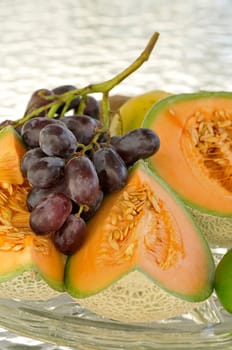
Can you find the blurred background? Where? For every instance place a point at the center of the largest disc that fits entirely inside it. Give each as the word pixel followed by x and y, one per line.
pixel 48 42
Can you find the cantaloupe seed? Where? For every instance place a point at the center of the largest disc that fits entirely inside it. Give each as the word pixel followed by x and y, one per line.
pixel 210 133
pixel 20 277
pixel 131 299
pixel 124 219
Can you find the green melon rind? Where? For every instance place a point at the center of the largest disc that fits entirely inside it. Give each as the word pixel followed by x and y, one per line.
pixel 202 295
pixel 217 229
pixel 211 265
pixel 135 298
pixel 194 298
pixel 158 106
pixel 28 282
pixel 216 226
pixel 27 286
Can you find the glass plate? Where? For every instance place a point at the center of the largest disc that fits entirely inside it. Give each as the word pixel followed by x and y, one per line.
pixel 85 41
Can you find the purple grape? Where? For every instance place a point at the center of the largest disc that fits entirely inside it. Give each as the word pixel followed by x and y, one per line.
pixel 93 208
pixel 47 172
pixel 50 213
pixel 37 100
pixel 81 180
pixel 83 127
pixel 59 90
pixel 92 107
pixel 31 157
pixel 31 130
pixel 57 140
pixel 111 169
pixel 37 193
pixel 69 238
pixel 137 144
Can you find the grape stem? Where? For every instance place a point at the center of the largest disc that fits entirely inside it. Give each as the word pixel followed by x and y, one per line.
pixel 103 87
pixel 82 208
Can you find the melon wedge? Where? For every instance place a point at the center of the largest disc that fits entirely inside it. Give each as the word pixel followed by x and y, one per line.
pixel 195 157
pixel 34 273
pixel 11 151
pixel 144 258
pixel 31 267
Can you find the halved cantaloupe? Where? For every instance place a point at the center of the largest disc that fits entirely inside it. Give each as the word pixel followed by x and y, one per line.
pixel 144 258
pixel 11 151
pixel 195 156
pixel 31 267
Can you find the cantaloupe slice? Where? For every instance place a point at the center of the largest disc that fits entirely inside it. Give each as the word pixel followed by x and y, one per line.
pixel 11 151
pixel 144 258
pixel 31 267
pixel 33 273
pixel 195 156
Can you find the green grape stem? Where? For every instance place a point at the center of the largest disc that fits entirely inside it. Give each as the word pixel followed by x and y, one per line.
pixel 82 208
pixel 103 87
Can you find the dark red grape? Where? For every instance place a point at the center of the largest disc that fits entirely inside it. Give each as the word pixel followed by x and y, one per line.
pixel 37 100
pixel 57 140
pixel 50 213
pixel 92 107
pixel 69 238
pixel 137 144
pixel 81 180
pixel 59 90
pixel 94 206
pixel 111 169
pixel 83 127
pixel 37 193
pixel 30 158
pixel 47 172
pixel 31 130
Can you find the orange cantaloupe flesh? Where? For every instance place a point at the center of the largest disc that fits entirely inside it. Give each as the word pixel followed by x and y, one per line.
pixel 50 264
pixel 175 162
pixel 41 256
pixel 21 250
pixel 12 150
pixel 173 254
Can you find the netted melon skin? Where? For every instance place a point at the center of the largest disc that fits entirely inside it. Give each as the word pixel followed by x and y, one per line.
pixel 216 229
pixel 27 286
pixel 135 298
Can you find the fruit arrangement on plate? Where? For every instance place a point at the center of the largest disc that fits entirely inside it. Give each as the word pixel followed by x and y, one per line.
pixel 119 201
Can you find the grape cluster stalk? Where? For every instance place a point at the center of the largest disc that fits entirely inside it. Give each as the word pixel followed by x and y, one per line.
pixel 72 161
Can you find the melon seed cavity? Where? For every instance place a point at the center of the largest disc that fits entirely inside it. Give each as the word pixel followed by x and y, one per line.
pixel 211 137
pixel 161 240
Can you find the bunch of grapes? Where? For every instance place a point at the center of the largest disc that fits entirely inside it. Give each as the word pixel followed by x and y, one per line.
pixel 71 163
